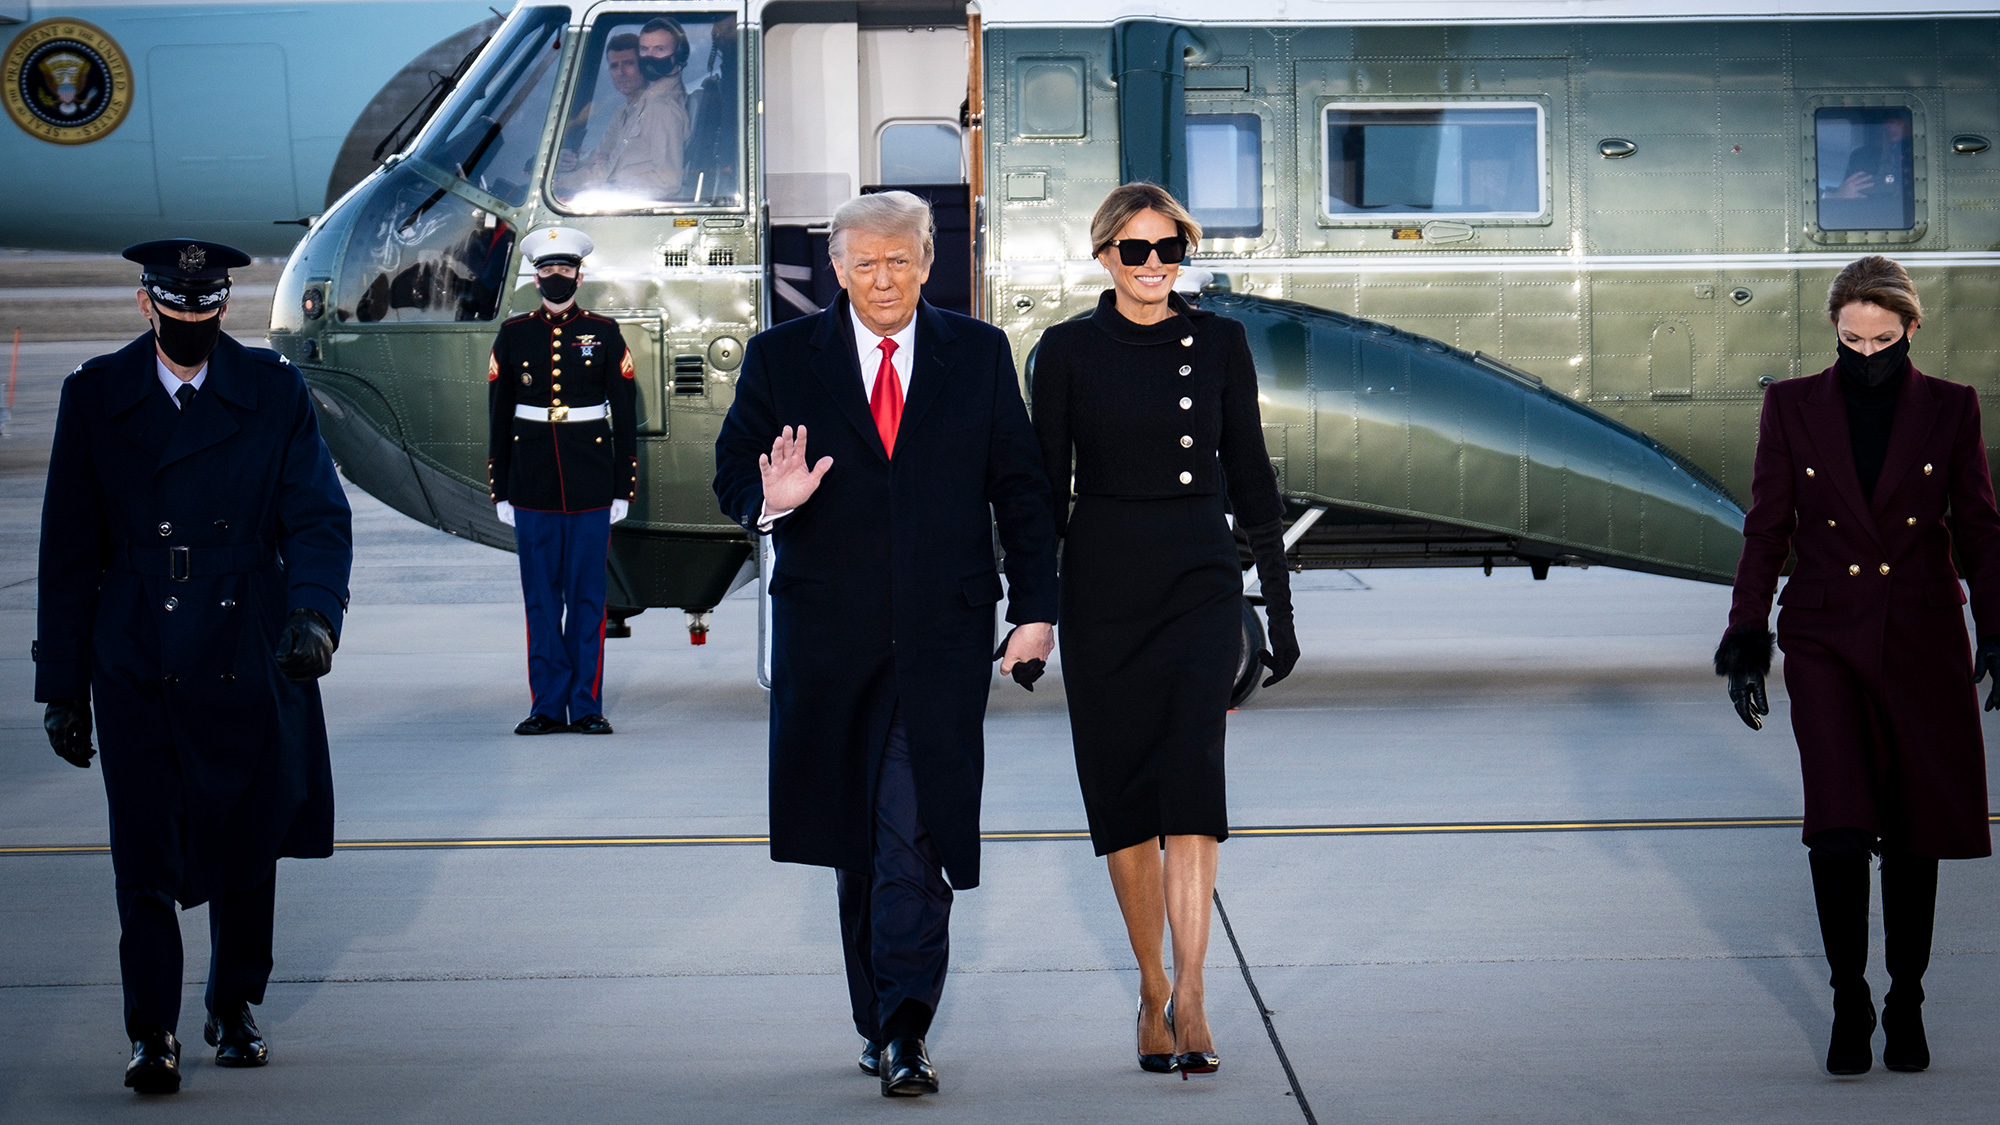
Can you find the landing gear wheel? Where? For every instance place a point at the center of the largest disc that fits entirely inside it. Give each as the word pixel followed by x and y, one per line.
pixel 1249 671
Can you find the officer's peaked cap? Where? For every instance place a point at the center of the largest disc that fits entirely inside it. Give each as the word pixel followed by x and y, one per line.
pixel 186 273
pixel 559 244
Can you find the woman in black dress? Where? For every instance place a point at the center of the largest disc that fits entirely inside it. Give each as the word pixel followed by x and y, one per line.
pixel 1158 402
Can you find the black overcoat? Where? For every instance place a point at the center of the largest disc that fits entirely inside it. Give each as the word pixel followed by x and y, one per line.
pixel 1873 620
pixel 174 545
pixel 885 583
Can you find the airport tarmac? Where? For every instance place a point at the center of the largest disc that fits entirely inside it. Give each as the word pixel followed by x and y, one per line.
pixel 1503 854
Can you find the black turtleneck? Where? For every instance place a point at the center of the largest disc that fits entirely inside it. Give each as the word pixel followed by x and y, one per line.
pixel 1871 413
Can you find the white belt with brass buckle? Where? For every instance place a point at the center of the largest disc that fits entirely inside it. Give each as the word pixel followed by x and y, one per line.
pixel 561 413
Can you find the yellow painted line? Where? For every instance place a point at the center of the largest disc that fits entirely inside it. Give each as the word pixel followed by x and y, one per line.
pixel 1278 832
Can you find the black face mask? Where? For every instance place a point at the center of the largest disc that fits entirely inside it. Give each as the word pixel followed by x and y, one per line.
pixel 655 68
pixel 1874 370
pixel 556 288
pixel 187 342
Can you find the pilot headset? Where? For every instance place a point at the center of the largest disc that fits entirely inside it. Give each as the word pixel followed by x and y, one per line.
pixel 653 67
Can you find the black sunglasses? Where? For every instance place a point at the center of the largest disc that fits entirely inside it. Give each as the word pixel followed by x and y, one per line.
pixel 1135 251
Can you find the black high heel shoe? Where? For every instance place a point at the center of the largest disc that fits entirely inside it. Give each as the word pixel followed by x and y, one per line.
pixel 1192 1062
pixel 1155 1064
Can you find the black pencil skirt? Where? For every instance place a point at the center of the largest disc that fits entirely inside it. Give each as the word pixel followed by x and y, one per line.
pixel 1151 625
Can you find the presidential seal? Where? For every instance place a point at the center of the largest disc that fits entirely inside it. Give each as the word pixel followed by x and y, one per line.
pixel 66 82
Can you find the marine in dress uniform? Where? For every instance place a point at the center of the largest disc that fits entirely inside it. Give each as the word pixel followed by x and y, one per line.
pixel 563 466
pixel 195 553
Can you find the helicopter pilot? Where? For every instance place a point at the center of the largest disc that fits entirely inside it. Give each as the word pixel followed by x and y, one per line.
pixel 562 466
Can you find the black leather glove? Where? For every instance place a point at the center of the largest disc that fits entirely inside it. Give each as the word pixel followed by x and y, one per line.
pixel 1267 546
pixel 68 724
pixel 305 647
pixel 1988 657
pixel 1025 672
pixel 1745 657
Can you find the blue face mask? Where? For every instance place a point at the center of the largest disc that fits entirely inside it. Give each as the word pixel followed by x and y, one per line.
pixel 1874 370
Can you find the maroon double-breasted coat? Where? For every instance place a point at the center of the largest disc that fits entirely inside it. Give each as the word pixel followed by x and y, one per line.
pixel 1872 626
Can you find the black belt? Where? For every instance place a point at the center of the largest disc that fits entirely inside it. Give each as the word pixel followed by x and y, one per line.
pixel 183 563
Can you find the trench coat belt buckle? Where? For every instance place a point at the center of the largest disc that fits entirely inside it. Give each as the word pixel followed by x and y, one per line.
pixel 180 564
pixel 562 413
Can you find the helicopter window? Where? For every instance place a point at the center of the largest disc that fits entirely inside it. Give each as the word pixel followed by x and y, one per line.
pixel 495 124
pixel 653 116
pixel 1477 160
pixel 1866 160
pixel 1226 173
pixel 420 253
pixel 921 152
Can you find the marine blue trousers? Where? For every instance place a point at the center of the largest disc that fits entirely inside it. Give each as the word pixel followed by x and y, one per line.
pixel 895 920
pixel 562 589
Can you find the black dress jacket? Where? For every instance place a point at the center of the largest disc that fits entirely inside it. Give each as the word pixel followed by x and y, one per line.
pixel 174 546
pixel 574 359
pixel 1171 406
pixel 885 583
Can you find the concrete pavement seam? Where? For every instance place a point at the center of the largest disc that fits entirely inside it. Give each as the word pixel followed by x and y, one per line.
pixel 1257 998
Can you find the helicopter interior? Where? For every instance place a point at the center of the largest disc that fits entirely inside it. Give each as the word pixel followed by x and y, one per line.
pixel 871 101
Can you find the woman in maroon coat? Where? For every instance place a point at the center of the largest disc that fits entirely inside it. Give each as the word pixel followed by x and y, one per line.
pixel 1874 473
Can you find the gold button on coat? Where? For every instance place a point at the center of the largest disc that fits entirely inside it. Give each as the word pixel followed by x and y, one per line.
pixel 1884 568
pixel 1187 404
pixel 1187 341
pixel 1187 442
pixel 1187 478
pixel 1912 521
pixel 556 387
pixel 1809 471
pixel 1853 569
pixel 1927 470
pixel 557 373
pixel 1830 523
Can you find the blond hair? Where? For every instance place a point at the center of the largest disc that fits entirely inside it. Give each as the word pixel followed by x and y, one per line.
pixel 1129 200
pixel 888 214
pixel 1875 280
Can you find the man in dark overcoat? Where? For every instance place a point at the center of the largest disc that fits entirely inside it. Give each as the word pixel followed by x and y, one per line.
pixel 194 561
pixel 883 599
pixel 1875 475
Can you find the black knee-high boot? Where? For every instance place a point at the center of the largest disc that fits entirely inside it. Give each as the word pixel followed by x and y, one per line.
pixel 1840 890
pixel 1909 907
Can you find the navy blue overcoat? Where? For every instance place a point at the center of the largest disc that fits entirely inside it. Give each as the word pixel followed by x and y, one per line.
pixel 174 546
pixel 886 581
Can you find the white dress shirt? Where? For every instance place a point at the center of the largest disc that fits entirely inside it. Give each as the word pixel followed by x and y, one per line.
pixel 868 350
pixel 173 382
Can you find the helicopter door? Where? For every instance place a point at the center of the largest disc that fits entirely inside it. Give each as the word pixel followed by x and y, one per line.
pixel 853 108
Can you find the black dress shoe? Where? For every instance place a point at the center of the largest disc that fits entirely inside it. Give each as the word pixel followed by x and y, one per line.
pixel 235 1037
pixel 1849 1050
pixel 591 724
pixel 1904 1047
pixel 906 1069
pixel 871 1058
pixel 156 1064
pixel 539 723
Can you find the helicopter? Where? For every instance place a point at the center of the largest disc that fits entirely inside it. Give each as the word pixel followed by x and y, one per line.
pixel 1515 275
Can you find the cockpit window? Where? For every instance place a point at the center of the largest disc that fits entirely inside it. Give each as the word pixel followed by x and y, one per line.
pixel 1432 161
pixel 421 253
pixel 1867 175
pixel 494 124
pixel 653 118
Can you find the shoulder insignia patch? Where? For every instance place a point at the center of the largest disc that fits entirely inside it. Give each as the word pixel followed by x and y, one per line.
pixel 492 366
pixel 625 367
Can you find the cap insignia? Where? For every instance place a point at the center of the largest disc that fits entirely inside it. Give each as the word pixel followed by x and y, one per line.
pixel 194 258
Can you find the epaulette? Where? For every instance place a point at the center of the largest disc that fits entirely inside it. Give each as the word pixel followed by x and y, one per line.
pixel 271 356
pixel 95 361
pixel 517 319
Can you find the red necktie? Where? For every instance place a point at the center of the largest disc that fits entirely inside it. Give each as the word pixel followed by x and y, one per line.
pixel 886 403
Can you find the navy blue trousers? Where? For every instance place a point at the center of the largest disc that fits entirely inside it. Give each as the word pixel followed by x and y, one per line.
pixel 894 920
pixel 562 588
pixel 149 953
